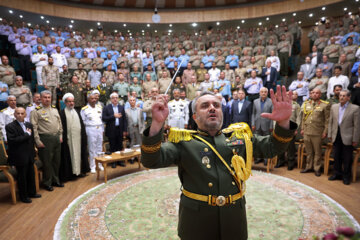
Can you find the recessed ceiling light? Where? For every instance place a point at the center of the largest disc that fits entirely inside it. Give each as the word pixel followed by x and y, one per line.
pixel 142 31
pixel 42 17
pixel 170 25
pixel 311 15
pixel 98 23
pixel 294 14
pixel 283 19
pixel 218 23
pixel 11 11
pixel 72 21
pixel 169 34
pixel 356 0
pixel 0 19
pixel 155 31
pixel 170 31
pixel 130 34
pixel 47 21
pixel 238 27
pixel 91 30
pixel 323 8
pixel 148 25
pixel 128 31
pixel 115 31
pixel 299 22
pixel 124 25
pixel 29 24
pixel 70 26
pixel 323 19
pixel 260 23
pixel 345 8
pixel 316 23
pixel 196 34
pixel 276 26
pixel 21 16
pixel 194 24
pixel 350 13
pixel 73 32
pixel 267 19
pixel 242 21
pixel 52 28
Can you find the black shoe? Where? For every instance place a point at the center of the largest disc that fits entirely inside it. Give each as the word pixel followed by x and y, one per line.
pixel 122 164
pixel 81 175
pixel 291 167
pixel 335 177
pixel 58 185
pixel 279 165
pixel 306 171
pixel 35 196
pixel 258 161
pixel 26 200
pixel 317 173
pixel 265 162
pixel 346 181
pixel 49 188
pixel 113 165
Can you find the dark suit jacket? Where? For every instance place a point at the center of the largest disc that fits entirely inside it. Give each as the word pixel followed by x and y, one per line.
pixel 109 119
pixel 319 57
pixel 21 145
pixel 244 115
pixel 273 76
pixel 355 92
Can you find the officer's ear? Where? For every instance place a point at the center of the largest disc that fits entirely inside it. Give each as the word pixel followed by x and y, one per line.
pixel 194 116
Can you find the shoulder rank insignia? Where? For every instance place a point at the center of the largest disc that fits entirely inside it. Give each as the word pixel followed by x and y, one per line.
pixel 38 107
pixel 177 135
pixel 3 110
pixel 30 105
pixel 239 130
pixel 83 108
pixel 53 106
pixel 323 101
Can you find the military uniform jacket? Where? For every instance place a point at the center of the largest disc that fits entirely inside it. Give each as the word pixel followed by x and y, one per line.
pixel 82 75
pixel 315 117
pixel 201 171
pixel 77 91
pixel 7 78
pixel 65 78
pixel 50 75
pixel 105 92
pixel 21 98
pixel 73 63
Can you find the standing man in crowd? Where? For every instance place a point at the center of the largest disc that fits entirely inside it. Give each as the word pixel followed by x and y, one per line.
pixel 40 59
pixel 24 52
pixel 269 76
pixel 354 87
pixel 314 127
pixel 253 86
pixel 344 134
pixel 135 122
pixel 260 125
pixel 7 114
pixel 301 87
pixel 241 109
pixel 48 138
pixel 35 102
pixel 178 111
pixel 114 117
pixel 51 78
pixel 74 156
pixel 7 72
pixel 21 151
pixel 91 115
pixel 21 92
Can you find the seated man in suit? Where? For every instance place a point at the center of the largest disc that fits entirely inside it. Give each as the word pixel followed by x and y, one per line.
pixel 241 109
pixel 308 69
pixel 344 133
pixel 260 125
pixel 269 76
pixel 21 152
pixel 114 117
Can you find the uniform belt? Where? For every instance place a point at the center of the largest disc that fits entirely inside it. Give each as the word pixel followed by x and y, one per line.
pixel 212 199
pixel 94 126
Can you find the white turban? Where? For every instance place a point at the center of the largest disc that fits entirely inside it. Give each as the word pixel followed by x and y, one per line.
pixel 67 95
pixel 95 92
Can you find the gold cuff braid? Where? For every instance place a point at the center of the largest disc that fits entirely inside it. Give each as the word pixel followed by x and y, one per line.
pixel 151 148
pixel 282 139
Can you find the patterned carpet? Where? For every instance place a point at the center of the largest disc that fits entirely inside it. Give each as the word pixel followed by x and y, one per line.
pixel 144 205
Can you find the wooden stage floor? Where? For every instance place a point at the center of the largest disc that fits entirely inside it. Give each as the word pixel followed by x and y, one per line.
pixel 37 220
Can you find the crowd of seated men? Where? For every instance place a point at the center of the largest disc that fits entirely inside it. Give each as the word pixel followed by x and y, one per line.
pixel 240 65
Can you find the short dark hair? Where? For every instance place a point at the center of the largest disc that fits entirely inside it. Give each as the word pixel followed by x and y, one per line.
pixel 338 67
pixel 193 104
pixel 338 85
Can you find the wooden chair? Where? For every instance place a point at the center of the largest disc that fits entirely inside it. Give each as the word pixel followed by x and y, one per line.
pixel 300 147
pixel 271 162
pixel 7 171
pixel 303 154
pixel 328 158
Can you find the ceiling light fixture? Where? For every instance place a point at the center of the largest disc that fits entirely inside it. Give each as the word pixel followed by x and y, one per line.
pixel 267 19
pixel 21 16
pixel 316 23
pixel 284 19
pixel 148 25
pixel 115 31
pixel 11 11
pixel 42 17
pixel 29 24
pixel 52 28
pixel 91 30
pixel 142 31
pixel 299 22
pixel 124 25
pixel 170 31
pixel 218 23
pixel 350 13
pixel 170 25
pixel 323 8
pixel 345 8
pixel 70 26
pixel 276 26
pixel 98 23
pixel 72 21
pixel 155 31
pixel 294 14
pixel 242 21
pixel 311 15
pixel 194 24
pixel 238 27
pixel 260 23
pixel 47 21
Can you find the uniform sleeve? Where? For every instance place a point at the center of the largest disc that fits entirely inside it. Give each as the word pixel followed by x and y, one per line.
pixel 327 114
pixel 34 122
pixel 43 75
pixel 155 154
pixel 274 144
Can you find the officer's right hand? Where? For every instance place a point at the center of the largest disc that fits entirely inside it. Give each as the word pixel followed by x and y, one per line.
pixel 41 145
pixel 160 112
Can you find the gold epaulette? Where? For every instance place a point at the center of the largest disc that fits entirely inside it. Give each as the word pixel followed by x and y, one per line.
pixel 83 108
pixel 3 109
pixel 53 106
pixel 177 134
pixel 323 101
pixel 38 107
pixel 238 130
pixel 30 105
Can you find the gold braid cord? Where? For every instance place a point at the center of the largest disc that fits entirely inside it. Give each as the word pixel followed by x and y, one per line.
pixel 151 148
pixel 282 139
pixel 307 113
pixel 177 135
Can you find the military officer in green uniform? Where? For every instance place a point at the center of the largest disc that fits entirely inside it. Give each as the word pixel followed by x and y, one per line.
pixel 48 138
pixel 212 204
pixel 76 88
pixel 65 79
pixel 314 126
pixel 122 89
pixel 105 90
pixel 136 87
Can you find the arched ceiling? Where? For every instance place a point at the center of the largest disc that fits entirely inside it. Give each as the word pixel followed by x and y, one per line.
pixel 165 4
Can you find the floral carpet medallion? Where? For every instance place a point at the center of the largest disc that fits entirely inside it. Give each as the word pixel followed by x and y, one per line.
pixel 144 205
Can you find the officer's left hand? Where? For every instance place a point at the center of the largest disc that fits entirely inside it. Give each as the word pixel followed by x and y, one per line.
pixel 323 136
pixel 282 107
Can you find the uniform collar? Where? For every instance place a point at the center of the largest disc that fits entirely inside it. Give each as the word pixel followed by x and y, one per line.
pixel 206 134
